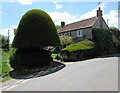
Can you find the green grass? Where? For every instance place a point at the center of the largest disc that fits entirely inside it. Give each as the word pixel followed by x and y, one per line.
pixel 86 44
pixel 4 65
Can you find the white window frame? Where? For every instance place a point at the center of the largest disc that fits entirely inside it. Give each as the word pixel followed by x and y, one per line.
pixel 79 33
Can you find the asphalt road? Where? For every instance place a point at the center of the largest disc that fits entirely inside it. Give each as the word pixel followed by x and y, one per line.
pixel 100 74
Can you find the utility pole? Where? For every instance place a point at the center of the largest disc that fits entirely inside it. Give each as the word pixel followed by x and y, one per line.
pixel 8 42
pixel 8 34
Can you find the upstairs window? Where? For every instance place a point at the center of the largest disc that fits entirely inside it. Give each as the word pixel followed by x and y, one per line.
pixel 79 33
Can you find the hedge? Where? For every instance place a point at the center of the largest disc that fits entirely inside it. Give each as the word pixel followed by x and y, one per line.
pixel 86 44
pixel 36 29
pixel 78 51
pixel 35 32
pixel 30 58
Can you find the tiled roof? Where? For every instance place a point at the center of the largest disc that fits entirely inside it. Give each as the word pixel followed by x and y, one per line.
pixel 79 25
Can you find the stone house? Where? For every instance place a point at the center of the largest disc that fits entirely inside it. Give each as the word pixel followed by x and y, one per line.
pixel 82 30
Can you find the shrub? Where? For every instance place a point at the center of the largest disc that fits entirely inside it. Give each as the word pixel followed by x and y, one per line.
pixel 30 58
pixel 80 46
pixel 65 40
pixel 79 51
pixel 35 32
pixel 36 29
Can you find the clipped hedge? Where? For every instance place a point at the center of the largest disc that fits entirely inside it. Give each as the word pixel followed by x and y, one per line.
pixel 103 41
pixel 36 29
pixel 35 32
pixel 86 44
pixel 30 58
pixel 78 51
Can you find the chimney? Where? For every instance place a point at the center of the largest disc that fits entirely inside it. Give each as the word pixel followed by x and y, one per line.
pixel 62 24
pixel 99 15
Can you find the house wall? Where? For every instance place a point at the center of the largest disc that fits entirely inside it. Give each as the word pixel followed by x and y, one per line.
pixel 86 34
pixel 97 24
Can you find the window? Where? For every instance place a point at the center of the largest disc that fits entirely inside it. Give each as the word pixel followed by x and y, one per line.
pixel 69 33
pixel 79 33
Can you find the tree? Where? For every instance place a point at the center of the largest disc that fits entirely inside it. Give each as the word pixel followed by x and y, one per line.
pixel 65 40
pixel 35 32
pixel 115 31
pixel 4 42
pixel 103 40
pixel 57 27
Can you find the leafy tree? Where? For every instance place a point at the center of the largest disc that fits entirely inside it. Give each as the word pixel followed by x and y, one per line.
pixel 65 40
pixel 57 27
pixel 35 32
pixel 103 40
pixel 115 31
pixel 4 42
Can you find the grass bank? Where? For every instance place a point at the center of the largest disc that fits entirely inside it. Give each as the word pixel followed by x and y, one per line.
pixel 4 66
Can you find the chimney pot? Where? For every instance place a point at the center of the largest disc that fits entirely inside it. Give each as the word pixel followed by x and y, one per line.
pixel 62 24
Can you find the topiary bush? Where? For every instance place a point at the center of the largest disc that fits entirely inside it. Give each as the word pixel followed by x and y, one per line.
pixel 78 51
pixel 35 29
pixel 35 32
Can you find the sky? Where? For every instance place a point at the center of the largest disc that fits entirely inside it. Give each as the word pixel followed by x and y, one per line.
pixel 11 11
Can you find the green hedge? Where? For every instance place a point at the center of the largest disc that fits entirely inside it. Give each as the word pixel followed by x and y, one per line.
pixel 35 32
pixel 78 51
pixel 103 41
pixel 30 58
pixel 86 44
pixel 36 29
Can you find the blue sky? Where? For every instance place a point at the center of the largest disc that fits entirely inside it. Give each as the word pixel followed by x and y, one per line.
pixel 59 11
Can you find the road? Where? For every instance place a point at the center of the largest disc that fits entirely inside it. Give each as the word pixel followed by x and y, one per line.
pixel 99 74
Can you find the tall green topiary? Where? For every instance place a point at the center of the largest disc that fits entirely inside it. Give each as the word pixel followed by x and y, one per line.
pixel 35 31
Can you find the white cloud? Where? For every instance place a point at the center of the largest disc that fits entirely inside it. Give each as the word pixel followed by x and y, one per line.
pixel 112 17
pixel 4 32
pixel 58 6
pixel 25 2
pixel 92 13
pixel 62 16
pixel 68 18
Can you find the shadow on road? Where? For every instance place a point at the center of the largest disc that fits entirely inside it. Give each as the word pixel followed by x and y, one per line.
pixel 37 72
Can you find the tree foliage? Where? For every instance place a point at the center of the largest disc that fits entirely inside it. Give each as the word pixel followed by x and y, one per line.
pixel 65 40
pixel 57 27
pixel 4 42
pixel 36 29
pixel 115 31
pixel 103 40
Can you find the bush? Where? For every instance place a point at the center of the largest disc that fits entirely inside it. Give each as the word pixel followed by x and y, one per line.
pixel 30 58
pixel 103 41
pixel 65 40
pixel 4 42
pixel 36 29
pixel 35 32
pixel 79 51
pixel 80 46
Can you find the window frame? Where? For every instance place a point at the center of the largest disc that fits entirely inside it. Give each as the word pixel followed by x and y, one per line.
pixel 79 33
